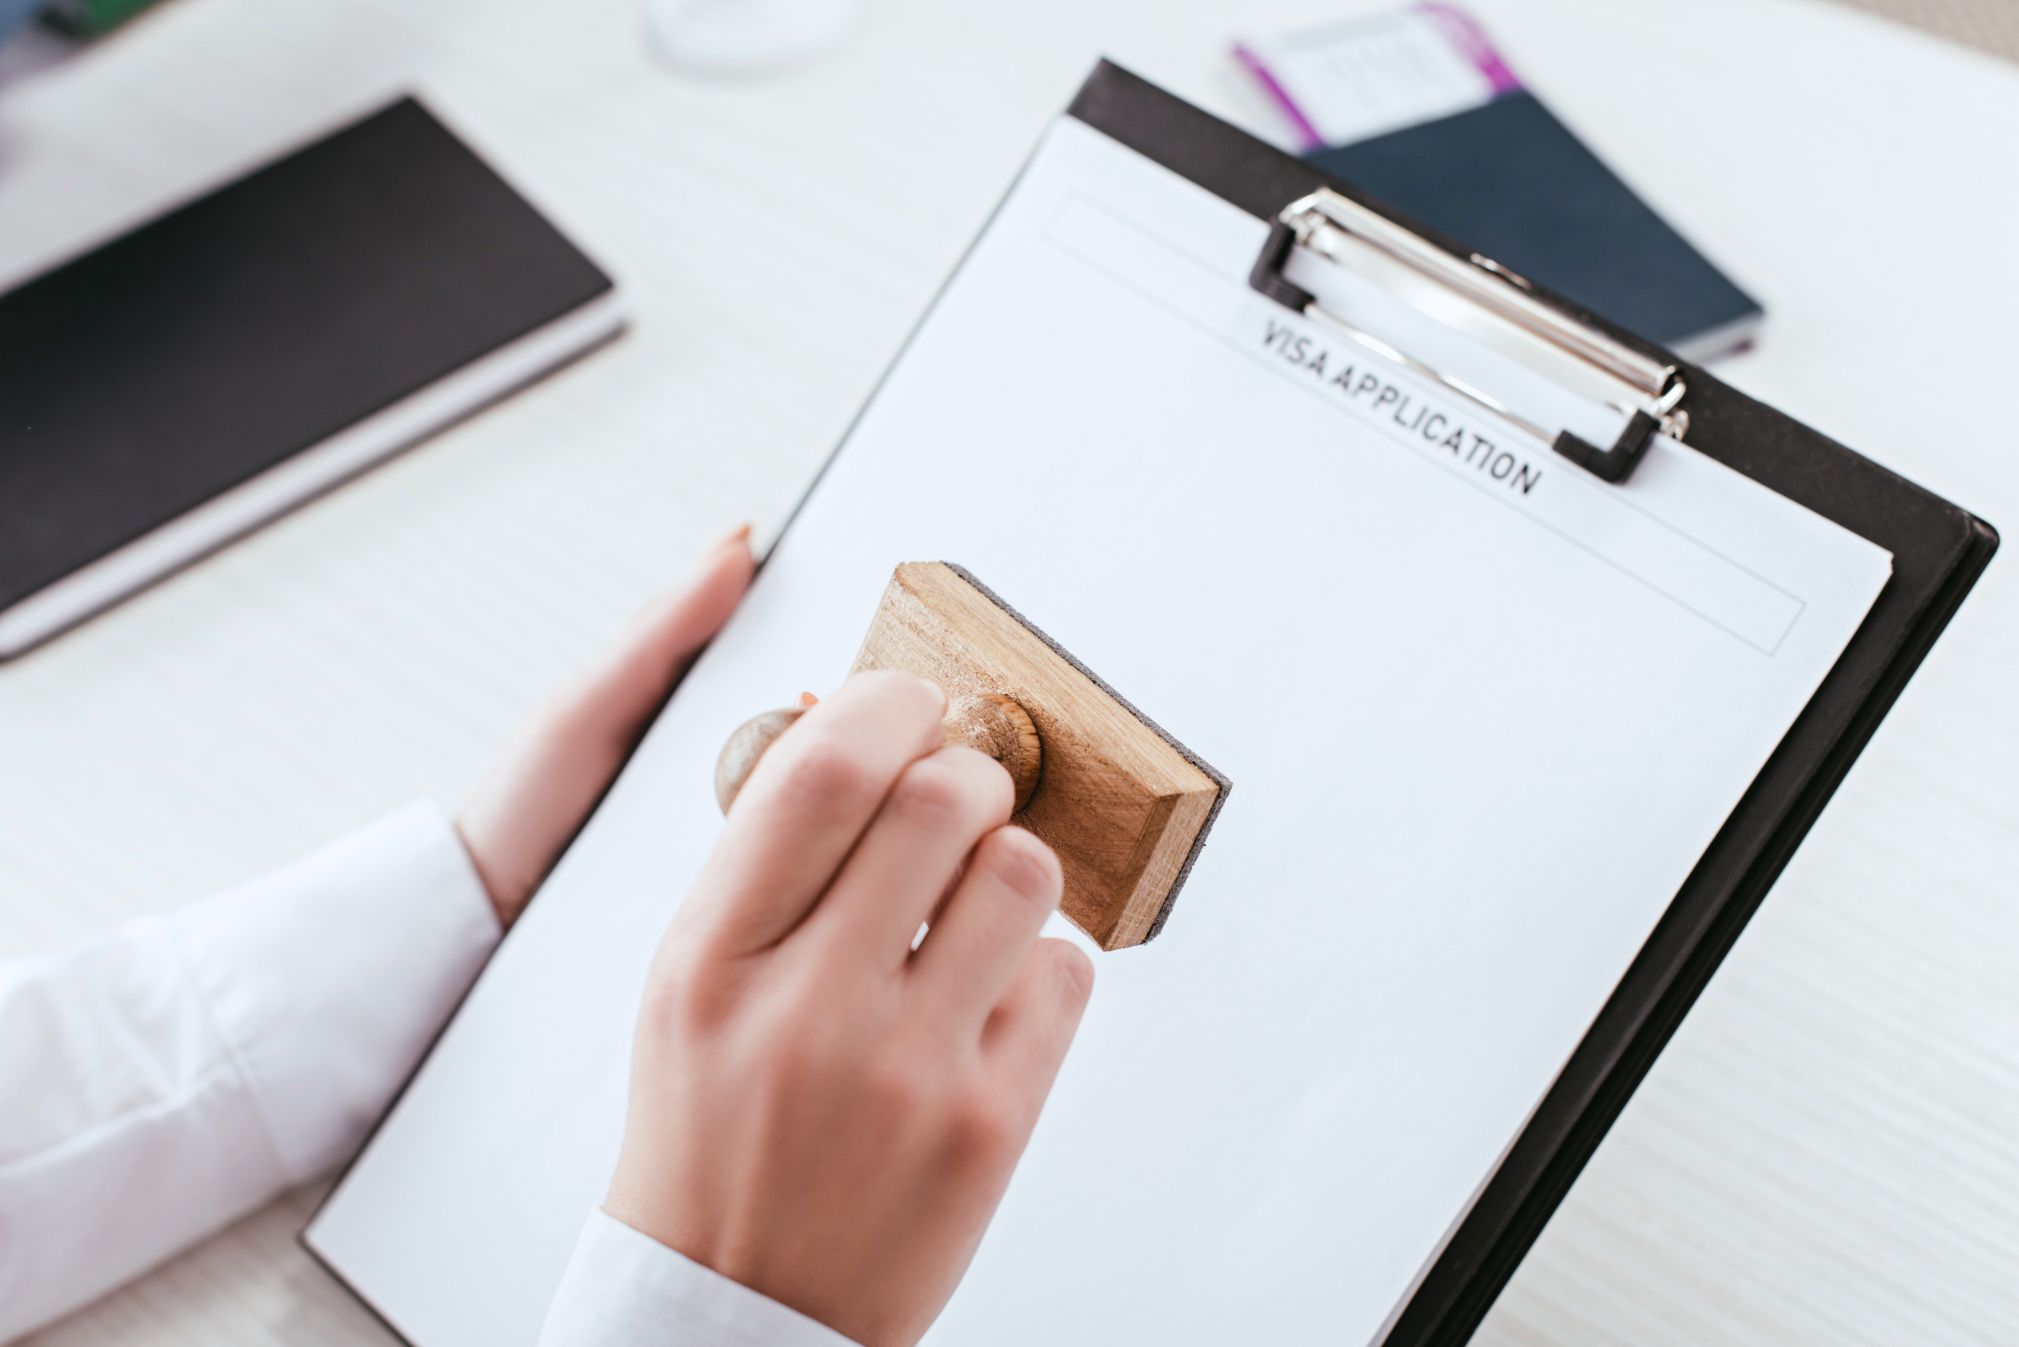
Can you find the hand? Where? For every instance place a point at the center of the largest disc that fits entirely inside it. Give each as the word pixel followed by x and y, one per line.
pixel 526 813
pixel 818 1110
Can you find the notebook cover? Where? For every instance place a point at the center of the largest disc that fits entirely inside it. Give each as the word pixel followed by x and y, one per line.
pixel 190 355
pixel 1938 549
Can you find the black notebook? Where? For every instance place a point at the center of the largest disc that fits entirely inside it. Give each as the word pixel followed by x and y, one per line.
pixel 183 384
pixel 1530 651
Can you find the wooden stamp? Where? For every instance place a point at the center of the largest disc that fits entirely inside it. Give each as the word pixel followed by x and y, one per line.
pixel 1125 806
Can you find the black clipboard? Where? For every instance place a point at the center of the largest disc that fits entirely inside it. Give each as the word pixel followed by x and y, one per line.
pixel 1938 550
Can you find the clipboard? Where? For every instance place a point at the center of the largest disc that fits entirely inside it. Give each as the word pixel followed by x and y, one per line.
pixel 1649 404
pixel 1939 550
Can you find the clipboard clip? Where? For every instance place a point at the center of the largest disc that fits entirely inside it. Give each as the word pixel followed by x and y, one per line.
pixel 1488 303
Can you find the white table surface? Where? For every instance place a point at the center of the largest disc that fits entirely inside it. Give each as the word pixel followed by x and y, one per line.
pixel 1829 1151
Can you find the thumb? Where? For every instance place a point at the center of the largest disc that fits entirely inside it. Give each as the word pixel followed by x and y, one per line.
pixel 523 815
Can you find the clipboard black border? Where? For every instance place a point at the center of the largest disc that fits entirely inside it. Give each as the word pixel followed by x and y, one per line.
pixel 1939 550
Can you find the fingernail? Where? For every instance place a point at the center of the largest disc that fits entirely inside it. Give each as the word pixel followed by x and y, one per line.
pixel 807 699
pixel 739 534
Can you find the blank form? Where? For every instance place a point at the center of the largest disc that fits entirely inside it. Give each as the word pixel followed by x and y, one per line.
pixel 1481 713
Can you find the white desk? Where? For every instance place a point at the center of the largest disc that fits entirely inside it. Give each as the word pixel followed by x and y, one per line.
pixel 1826 1153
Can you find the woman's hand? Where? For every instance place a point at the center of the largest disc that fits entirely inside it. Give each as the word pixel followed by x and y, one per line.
pixel 523 815
pixel 819 1110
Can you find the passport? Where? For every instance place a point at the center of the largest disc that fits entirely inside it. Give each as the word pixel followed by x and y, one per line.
pixel 1418 109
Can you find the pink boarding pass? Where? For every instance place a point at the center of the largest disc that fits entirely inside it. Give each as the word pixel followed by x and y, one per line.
pixel 1344 82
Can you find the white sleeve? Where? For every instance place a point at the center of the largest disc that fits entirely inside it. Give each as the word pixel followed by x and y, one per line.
pixel 625 1289
pixel 163 1082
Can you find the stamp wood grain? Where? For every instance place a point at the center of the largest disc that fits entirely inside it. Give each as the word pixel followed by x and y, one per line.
pixel 1120 804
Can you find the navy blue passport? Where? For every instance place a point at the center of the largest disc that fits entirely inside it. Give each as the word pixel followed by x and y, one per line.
pixel 1509 180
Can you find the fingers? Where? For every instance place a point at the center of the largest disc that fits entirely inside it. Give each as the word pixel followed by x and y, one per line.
pixel 807 803
pixel 940 807
pixel 525 813
pixel 981 939
pixel 1027 1036
pixel 612 707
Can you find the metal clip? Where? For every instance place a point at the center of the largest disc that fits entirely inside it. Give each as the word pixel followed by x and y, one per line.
pixel 1517 323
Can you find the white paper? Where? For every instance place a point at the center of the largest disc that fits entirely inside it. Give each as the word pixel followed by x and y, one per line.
pixel 1479 724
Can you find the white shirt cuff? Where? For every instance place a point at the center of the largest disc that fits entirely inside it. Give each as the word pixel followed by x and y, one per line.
pixel 624 1287
pixel 329 978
